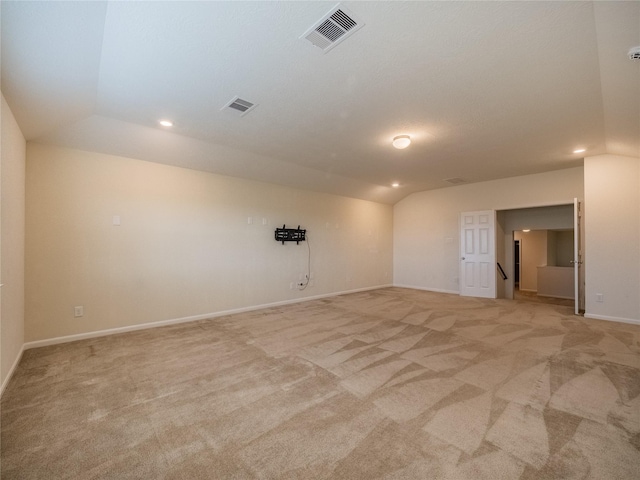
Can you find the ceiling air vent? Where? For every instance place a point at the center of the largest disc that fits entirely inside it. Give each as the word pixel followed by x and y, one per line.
pixel 634 53
pixel 240 106
pixel 455 180
pixel 333 28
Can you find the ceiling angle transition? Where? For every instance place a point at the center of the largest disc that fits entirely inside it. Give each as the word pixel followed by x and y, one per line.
pixel 333 28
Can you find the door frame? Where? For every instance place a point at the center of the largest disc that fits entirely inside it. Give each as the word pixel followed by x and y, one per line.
pixel 475 262
pixel 577 255
pixel 519 272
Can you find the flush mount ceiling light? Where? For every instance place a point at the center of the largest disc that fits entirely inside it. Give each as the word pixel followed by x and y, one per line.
pixel 526 230
pixel 580 150
pixel 166 123
pixel 401 141
pixel 395 185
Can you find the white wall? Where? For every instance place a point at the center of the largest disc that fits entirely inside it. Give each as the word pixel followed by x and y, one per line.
pixel 612 237
pixel 184 247
pixel 426 243
pixel 12 228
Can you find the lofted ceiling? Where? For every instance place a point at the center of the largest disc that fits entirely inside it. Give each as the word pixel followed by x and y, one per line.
pixel 486 90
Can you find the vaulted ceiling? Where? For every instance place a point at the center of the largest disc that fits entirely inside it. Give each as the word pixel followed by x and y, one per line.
pixel 486 90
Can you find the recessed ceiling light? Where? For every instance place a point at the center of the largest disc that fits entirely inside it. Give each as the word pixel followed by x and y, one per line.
pixel 166 123
pixel 580 150
pixel 401 141
pixel 395 184
pixel 526 230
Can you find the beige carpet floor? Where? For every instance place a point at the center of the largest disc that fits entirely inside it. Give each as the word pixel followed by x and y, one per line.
pixel 388 384
pixel 533 297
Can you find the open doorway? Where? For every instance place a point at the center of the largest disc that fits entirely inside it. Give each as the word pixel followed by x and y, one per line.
pixel 555 218
pixel 543 267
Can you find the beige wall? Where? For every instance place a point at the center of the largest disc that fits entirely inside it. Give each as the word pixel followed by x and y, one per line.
pixel 12 228
pixel 560 248
pixel 612 237
pixel 552 251
pixel 426 243
pixel 185 246
pixel 533 253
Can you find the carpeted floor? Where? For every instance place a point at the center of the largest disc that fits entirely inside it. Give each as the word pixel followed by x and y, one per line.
pixel 392 383
pixel 534 297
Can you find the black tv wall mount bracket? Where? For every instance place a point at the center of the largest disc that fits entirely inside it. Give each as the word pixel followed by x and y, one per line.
pixel 285 234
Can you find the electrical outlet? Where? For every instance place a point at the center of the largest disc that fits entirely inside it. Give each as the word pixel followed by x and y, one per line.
pixel 292 286
pixel 78 311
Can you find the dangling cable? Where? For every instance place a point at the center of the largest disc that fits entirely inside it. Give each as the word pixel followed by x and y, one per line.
pixel 308 275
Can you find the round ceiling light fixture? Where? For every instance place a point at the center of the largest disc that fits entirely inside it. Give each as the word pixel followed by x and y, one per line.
pixel 395 184
pixel 580 150
pixel 401 141
pixel 166 123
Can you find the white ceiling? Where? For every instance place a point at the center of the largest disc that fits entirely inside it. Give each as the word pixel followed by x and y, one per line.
pixel 486 89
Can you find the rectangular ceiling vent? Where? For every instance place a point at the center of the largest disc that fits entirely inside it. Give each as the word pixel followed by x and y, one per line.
pixel 333 28
pixel 239 106
pixel 455 180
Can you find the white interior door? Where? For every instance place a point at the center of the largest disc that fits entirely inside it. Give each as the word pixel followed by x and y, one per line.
pixel 577 254
pixel 478 254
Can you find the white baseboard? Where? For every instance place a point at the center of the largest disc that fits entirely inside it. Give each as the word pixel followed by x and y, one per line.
pixel 555 296
pixel 634 321
pixel 174 321
pixel 12 370
pixel 436 290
